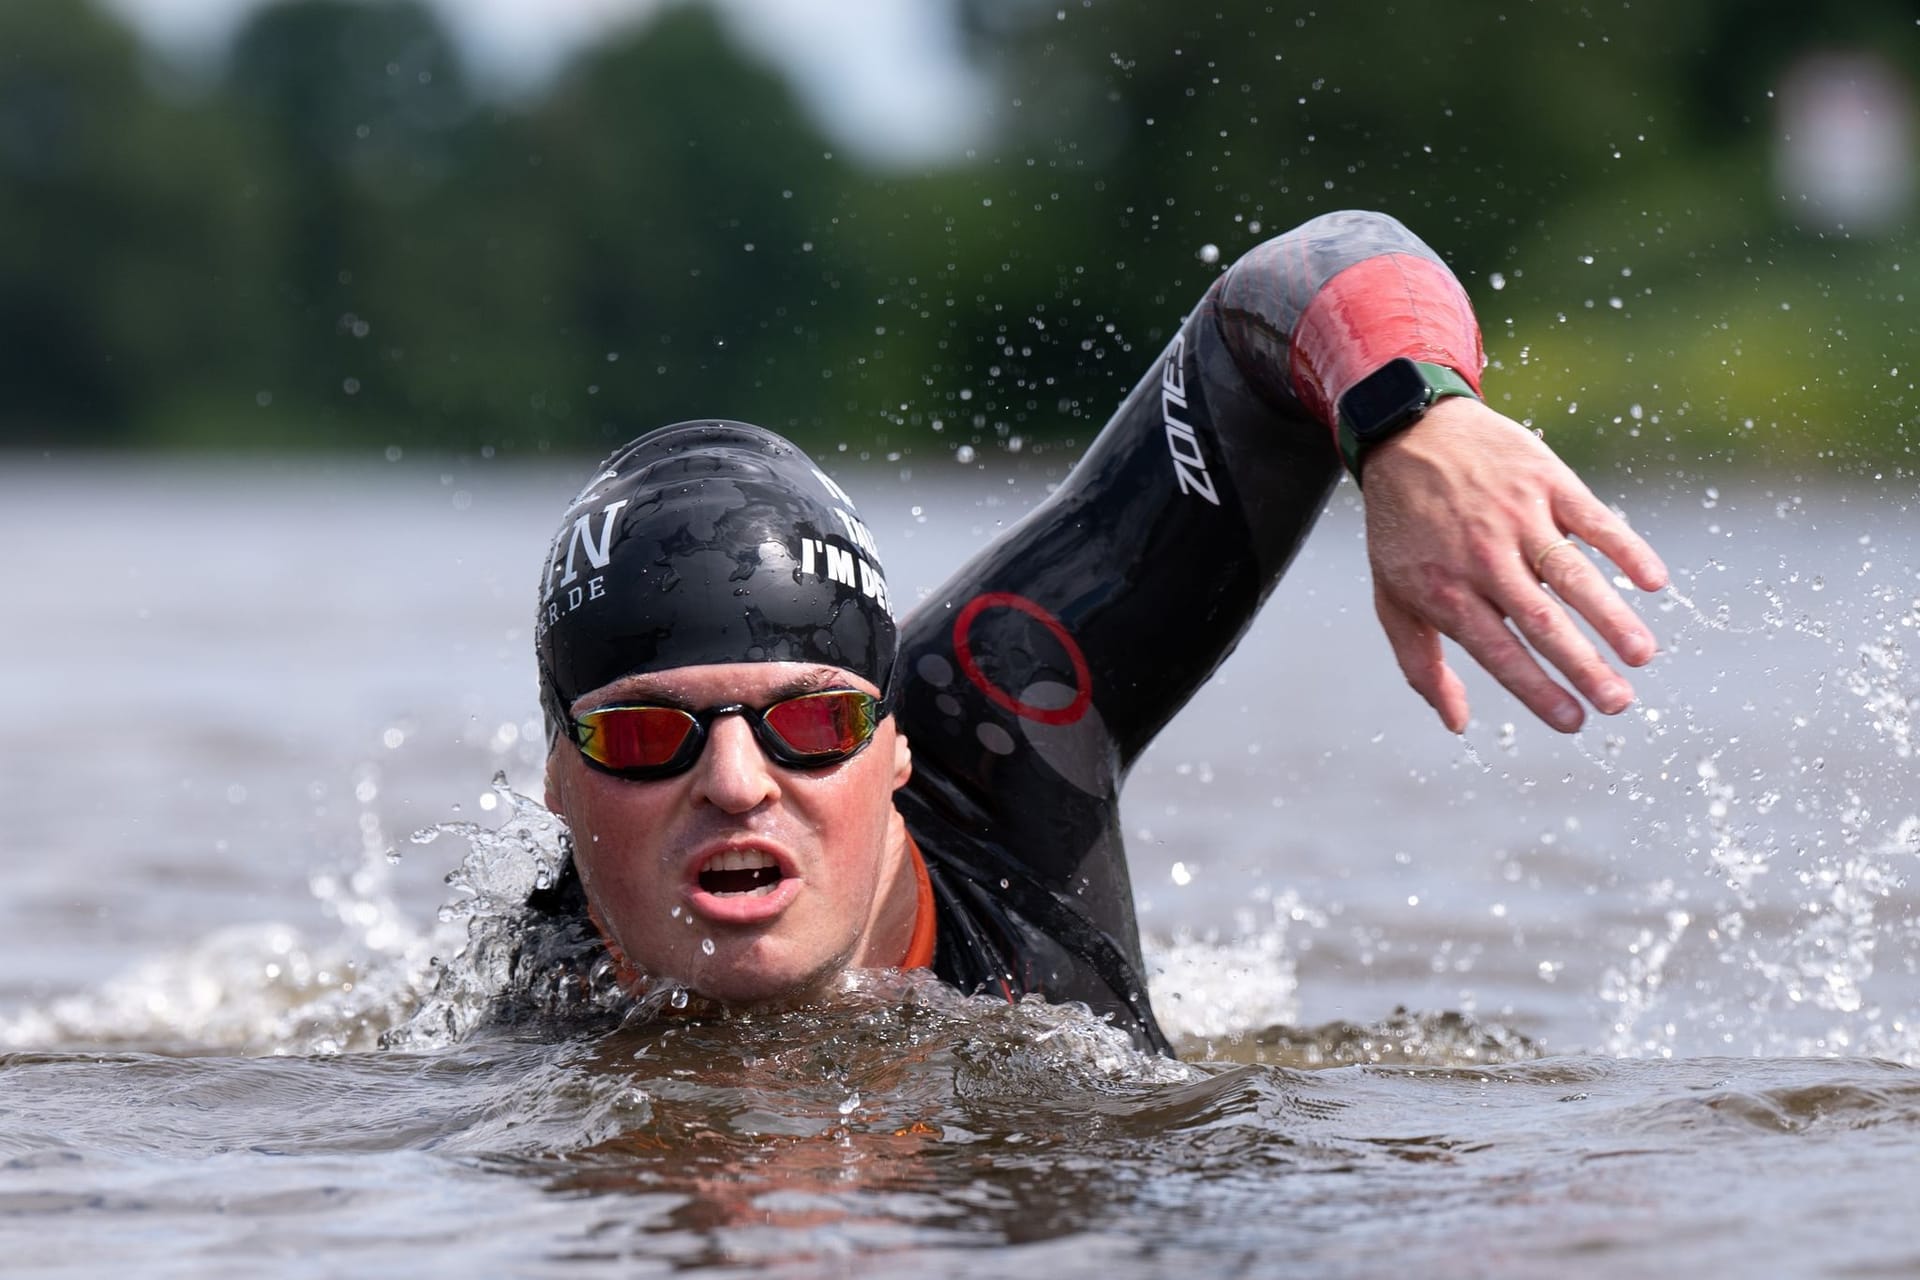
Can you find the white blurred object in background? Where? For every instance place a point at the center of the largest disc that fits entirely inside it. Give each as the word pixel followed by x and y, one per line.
pixel 1843 156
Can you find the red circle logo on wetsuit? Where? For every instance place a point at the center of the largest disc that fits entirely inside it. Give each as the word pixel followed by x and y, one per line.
pixel 963 651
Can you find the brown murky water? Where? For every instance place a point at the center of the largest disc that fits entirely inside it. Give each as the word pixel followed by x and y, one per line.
pixel 1659 981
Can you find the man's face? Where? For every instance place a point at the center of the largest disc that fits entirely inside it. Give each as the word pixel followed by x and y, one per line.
pixel 648 853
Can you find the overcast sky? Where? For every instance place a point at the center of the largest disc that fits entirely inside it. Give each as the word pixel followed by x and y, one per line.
pixel 881 75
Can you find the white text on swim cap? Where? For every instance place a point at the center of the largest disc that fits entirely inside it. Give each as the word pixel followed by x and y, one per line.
pixel 599 555
pixel 857 533
pixel 821 559
pixel 835 491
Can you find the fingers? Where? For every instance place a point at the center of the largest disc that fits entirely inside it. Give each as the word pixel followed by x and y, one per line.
pixel 1478 627
pixel 1584 515
pixel 1462 550
pixel 1543 621
pixel 1579 582
pixel 1416 647
pixel 1478 621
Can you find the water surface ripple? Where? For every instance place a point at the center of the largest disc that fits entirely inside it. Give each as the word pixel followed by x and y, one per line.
pixel 1500 1005
pixel 942 1145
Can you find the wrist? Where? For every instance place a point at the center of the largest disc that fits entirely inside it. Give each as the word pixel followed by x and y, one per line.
pixel 1382 405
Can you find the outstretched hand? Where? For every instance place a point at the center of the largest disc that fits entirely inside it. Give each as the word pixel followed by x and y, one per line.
pixel 1469 526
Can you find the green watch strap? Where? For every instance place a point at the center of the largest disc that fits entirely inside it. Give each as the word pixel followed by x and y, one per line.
pixel 1442 382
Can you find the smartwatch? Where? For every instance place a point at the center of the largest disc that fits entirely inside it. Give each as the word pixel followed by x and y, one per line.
pixel 1388 401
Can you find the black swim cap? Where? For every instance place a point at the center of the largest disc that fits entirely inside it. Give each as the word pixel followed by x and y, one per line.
pixel 708 542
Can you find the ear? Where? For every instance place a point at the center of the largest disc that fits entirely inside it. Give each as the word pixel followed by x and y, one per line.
pixel 902 760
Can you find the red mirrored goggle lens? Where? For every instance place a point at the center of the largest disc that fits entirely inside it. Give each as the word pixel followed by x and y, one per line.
pixel 653 741
pixel 822 725
pixel 634 737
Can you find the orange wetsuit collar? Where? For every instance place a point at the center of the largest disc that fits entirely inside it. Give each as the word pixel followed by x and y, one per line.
pixel 920 946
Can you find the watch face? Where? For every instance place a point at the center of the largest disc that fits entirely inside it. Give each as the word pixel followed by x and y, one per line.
pixel 1384 399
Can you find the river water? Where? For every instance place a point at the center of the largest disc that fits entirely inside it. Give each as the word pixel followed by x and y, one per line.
pixel 1505 1004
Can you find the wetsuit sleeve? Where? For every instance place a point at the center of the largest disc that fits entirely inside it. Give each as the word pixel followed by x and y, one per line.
pixel 1035 677
pixel 1310 313
pixel 1124 590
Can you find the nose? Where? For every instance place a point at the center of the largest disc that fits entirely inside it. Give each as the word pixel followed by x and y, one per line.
pixel 733 774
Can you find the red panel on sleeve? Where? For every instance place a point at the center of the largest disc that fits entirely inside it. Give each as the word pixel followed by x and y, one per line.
pixel 1392 305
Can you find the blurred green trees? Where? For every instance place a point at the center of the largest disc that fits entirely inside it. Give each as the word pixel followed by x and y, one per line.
pixel 340 241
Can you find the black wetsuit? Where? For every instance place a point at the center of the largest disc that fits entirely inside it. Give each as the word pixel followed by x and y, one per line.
pixel 1034 678
pixel 1030 683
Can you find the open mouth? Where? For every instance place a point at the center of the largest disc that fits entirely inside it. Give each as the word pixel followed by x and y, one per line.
pixel 740 873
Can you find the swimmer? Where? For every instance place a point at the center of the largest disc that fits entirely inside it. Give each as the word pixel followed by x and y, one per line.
pixel 767 781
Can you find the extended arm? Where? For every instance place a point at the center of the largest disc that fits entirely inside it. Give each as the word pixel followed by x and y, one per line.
pixel 1035 676
pixel 1467 512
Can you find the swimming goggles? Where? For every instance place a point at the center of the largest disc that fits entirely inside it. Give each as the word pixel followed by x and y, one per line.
pixel 644 741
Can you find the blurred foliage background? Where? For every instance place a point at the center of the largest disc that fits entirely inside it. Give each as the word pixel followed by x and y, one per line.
pixel 1687 226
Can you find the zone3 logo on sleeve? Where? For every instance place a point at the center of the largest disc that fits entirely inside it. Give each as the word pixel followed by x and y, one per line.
pixel 1189 464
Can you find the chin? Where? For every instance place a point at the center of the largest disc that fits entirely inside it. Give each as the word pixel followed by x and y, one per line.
pixel 754 980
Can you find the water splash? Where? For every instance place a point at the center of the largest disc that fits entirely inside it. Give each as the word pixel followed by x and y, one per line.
pixel 371 977
pixel 1210 988
pixel 1876 682
pixel 505 961
pixel 266 988
pixel 1800 917
pixel 1635 986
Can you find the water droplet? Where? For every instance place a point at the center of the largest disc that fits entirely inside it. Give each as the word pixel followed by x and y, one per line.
pixel 706 945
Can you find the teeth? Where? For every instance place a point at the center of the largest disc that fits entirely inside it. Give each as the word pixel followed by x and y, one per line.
pixel 740 860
